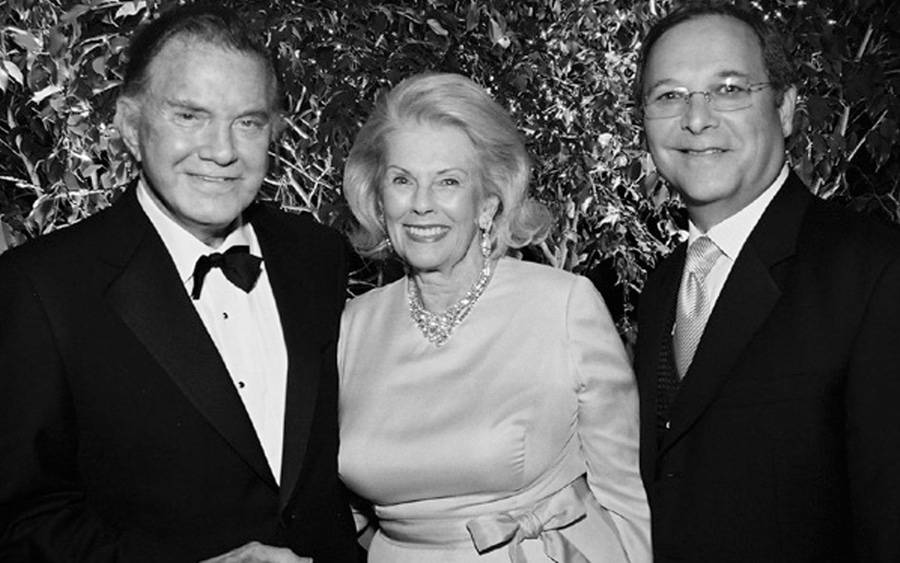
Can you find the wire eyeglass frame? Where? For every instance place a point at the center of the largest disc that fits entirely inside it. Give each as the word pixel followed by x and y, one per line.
pixel 722 98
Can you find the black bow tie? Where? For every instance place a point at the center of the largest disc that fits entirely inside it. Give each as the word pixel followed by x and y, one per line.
pixel 239 267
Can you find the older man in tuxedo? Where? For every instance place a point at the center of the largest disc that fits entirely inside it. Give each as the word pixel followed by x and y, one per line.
pixel 167 371
pixel 769 351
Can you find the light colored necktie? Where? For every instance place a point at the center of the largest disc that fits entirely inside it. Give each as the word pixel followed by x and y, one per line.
pixel 693 301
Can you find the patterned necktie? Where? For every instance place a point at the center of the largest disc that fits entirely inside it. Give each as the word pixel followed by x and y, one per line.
pixel 693 301
pixel 239 267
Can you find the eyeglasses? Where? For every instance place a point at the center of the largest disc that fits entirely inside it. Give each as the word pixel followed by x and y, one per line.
pixel 665 102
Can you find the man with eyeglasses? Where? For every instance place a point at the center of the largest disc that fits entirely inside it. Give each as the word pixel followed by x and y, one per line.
pixel 768 358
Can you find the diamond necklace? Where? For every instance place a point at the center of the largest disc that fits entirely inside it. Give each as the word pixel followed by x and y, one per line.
pixel 437 327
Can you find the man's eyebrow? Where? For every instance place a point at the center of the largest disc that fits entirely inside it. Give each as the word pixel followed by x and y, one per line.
pixel 661 82
pixel 184 104
pixel 733 74
pixel 719 75
pixel 258 113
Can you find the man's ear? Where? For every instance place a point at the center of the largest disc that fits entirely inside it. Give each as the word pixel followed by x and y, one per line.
pixel 279 124
pixel 127 120
pixel 786 110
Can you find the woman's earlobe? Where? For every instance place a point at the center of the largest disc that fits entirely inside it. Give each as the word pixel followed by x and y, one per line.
pixel 489 211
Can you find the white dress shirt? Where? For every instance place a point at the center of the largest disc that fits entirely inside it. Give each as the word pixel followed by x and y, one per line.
pixel 731 234
pixel 245 327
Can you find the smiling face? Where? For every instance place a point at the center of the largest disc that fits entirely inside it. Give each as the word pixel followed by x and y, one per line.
pixel 432 198
pixel 201 131
pixel 719 161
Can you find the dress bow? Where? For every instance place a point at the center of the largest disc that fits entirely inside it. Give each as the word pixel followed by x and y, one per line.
pixel 543 520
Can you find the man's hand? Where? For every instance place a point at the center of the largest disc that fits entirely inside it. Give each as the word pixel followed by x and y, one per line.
pixel 255 552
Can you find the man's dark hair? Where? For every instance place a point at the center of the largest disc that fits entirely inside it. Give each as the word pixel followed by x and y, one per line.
pixel 779 67
pixel 210 23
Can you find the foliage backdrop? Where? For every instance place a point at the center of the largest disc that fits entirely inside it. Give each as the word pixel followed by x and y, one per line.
pixel 563 67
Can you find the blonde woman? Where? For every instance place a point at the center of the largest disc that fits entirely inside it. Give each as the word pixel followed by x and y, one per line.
pixel 488 410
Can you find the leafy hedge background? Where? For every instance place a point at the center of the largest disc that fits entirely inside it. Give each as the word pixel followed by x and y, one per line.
pixel 563 67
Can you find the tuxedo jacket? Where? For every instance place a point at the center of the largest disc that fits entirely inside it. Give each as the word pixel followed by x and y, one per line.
pixel 783 439
pixel 122 437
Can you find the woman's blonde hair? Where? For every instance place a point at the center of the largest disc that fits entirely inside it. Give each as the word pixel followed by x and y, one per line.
pixel 446 99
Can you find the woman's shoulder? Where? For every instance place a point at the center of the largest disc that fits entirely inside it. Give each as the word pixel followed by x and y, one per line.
pixel 538 287
pixel 539 276
pixel 375 298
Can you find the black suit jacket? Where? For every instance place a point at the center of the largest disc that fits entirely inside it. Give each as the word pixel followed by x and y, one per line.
pixel 122 437
pixel 784 438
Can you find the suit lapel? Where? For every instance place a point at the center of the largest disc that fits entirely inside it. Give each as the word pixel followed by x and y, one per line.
pixel 294 294
pixel 658 302
pixel 149 297
pixel 747 299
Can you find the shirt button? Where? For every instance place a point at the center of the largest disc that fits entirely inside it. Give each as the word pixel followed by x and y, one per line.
pixel 241 384
pixel 668 424
pixel 224 315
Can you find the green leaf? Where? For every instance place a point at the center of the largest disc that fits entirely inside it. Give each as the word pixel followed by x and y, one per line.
pixel 437 27
pixel 25 40
pixel 14 72
pixel 5 236
pixel 129 9
pixel 99 65
pixel 498 36
pixel 74 13
pixel 58 43
pixel 472 16
pixel 39 96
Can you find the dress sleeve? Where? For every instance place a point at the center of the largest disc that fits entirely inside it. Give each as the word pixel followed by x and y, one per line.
pixel 342 342
pixel 607 424
pixel 363 519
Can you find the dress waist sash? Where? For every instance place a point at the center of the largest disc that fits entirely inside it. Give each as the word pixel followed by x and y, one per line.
pixel 543 519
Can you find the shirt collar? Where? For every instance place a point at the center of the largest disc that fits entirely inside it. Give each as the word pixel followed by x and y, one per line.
pixel 184 247
pixel 731 234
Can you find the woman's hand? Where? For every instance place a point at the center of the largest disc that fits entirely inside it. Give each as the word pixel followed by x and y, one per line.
pixel 255 552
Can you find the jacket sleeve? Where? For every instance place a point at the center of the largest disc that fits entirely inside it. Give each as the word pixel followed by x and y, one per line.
pixel 872 427
pixel 43 513
pixel 608 418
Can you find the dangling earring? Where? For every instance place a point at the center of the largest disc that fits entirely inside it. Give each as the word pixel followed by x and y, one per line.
pixel 486 245
pixel 386 243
